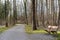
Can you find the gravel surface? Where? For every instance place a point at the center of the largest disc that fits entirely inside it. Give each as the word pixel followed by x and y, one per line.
pixel 18 33
pixel 41 37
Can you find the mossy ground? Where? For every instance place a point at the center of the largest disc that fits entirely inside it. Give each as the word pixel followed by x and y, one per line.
pixel 2 29
pixel 28 29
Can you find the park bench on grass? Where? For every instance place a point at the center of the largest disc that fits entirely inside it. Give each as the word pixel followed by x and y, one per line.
pixel 51 29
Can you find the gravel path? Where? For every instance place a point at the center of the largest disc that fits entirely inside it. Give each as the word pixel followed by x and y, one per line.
pixel 18 33
pixel 41 37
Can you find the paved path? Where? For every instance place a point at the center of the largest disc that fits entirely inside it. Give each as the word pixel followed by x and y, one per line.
pixel 18 33
pixel 15 33
pixel 41 37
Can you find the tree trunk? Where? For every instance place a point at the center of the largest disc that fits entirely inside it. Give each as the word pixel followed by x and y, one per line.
pixel 6 11
pixel 14 12
pixel 42 13
pixel 37 23
pixel 34 21
pixel 59 16
pixel 26 19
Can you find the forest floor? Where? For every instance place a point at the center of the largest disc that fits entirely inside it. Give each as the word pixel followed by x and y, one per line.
pixel 18 33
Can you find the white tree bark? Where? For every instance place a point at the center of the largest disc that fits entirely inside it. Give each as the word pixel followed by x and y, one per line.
pixel 44 6
pixel 56 11
pixel 48 10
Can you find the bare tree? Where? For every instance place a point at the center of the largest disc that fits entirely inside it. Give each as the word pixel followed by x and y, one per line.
pixel 34 21
pixel 26 20
pixel 56 12
pixel 42 13
pixel 14 12
pixel 59 14
pixel 37 24
pixel 6 11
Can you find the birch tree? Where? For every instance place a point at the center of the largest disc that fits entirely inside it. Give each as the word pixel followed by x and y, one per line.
pixel 26 19
pixel 14 12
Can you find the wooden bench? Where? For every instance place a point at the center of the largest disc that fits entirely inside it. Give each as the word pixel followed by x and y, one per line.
pixel 52 29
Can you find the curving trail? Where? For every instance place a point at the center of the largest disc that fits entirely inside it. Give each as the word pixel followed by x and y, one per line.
pixel 18 33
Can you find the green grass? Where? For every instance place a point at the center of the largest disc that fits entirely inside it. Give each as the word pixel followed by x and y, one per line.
pixel 3 29
pixel 28 29
pixel 39 31
pixel 58 38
